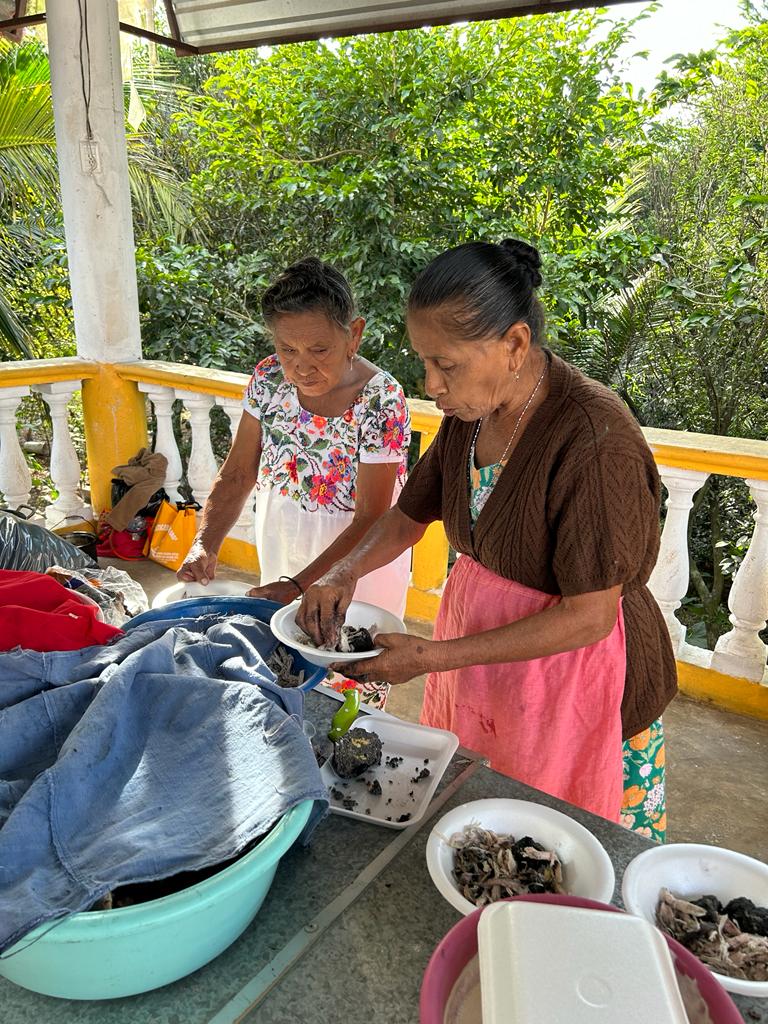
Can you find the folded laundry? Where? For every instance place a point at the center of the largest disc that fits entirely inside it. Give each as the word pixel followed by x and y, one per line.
pixel 168 750
pixel 39 614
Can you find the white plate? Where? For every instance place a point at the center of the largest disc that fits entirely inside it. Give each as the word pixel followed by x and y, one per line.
pixel 415 744
pixel 216 588
pixel 691 870
pixel 283 625
pixel 587 868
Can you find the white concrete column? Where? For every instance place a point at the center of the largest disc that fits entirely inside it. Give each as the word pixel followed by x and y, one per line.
pixel 670 577
pixel 93 170
pixel 162 400
pixel 15 478
pixel 202 467
pixel 741 652
pixel 65 465
pixel 245 522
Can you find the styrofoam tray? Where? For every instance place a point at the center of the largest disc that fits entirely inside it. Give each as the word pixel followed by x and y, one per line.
pixel 597 966
pixel 420 747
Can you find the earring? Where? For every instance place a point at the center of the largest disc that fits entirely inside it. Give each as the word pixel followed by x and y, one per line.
pixel 351 362
pixel 517 376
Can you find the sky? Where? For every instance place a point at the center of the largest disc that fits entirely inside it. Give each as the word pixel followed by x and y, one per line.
pixel 679 26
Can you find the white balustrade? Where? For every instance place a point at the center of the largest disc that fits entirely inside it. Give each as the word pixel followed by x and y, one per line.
pixel 234 410
pixel 202 467
pixel 741 652
pixel 15 478
pixel 162 400
pixel 670 577
pixel 65 465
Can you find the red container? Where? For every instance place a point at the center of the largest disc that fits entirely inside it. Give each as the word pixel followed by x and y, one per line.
pixel 459 946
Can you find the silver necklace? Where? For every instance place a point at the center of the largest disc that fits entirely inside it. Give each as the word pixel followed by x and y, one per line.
pixel 517 425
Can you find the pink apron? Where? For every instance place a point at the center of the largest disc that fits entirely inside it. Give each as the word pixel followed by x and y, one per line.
pixel 553 723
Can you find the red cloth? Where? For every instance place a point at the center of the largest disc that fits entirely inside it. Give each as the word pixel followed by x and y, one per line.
pixel 39 614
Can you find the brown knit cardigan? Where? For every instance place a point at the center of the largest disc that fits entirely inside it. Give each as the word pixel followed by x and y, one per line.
pixel 575 510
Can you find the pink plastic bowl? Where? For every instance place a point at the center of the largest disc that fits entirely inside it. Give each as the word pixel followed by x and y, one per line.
pixel 459 946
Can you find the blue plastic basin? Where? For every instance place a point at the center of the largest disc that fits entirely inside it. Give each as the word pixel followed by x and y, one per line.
pixel 253 606
pixel 113 953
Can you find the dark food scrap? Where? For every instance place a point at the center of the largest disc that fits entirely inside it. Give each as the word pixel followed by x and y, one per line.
pixel 356 752
pixel 403 817
pixel 280 663
pixel 393 762
pixel 336 793
pixel 374 788
pixel 350 640
pixel 731 939
pixel 355 640
pixel 348 803
pixel 423 774
pixel 489 867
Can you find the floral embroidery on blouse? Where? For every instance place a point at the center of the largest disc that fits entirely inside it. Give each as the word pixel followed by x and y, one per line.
pixel 313 459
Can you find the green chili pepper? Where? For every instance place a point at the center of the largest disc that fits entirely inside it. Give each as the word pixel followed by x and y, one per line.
pixel 345 716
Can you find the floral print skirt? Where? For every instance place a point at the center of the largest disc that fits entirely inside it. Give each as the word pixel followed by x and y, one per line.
pixel 644 808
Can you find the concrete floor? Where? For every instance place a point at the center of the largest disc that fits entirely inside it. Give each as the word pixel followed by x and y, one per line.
pixel 717 762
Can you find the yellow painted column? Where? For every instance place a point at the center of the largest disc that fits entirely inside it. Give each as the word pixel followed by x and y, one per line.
pixel 430 562
pixel 115 417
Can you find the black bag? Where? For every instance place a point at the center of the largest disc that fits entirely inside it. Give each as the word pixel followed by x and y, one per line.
pixel 120 487
pixel 29 547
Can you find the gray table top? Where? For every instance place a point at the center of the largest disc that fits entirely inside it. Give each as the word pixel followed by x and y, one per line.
pixel 345 933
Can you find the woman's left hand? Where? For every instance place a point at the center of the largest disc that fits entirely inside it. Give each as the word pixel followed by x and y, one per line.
pixel 403 657
pixel 280 591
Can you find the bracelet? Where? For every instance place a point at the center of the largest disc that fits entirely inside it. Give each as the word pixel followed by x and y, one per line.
pixel 290 579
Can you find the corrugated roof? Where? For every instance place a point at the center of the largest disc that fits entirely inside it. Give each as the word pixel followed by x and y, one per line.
pixel 226 24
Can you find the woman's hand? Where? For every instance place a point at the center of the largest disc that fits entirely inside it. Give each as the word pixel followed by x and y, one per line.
pixel 283 592
pixel 324 607
pixel 199 566
pixel 404 657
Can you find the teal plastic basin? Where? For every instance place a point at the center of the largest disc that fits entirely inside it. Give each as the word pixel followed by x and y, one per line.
pixel 114 953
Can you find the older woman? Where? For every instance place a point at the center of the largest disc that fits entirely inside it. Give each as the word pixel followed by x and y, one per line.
pixel 548 647
pixel 324 439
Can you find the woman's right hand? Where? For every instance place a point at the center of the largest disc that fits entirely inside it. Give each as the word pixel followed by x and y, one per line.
pixel 199 566
pixel 324 606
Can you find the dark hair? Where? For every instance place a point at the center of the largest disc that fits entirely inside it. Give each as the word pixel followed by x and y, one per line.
pixel 485 288
pixel 309 285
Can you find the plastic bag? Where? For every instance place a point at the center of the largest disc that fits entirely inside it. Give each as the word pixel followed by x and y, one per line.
pixel 29 547
pixel 172 535
pixel 112 589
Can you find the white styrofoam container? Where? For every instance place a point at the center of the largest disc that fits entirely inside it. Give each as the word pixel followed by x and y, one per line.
pixel 691 870
pixel 415 744
pixel 359 613
pixel 587 868
pixel 216 588
pixel 567 965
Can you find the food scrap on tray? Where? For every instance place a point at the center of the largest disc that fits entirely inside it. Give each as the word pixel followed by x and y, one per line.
pixel 356 752
pixel 489 867
pixel 731 939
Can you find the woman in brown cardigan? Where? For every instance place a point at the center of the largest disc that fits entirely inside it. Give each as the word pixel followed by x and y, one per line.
pixel 548 648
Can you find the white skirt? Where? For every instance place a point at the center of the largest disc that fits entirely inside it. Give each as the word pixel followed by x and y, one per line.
pixel 288 539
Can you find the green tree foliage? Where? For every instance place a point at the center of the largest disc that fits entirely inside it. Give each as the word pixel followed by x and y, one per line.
pixel 30 212
pixel 379 151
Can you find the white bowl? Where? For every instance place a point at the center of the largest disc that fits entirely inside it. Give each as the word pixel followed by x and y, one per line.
pixel 587 868
pixel 216 588
pixel 283 625
pixel 690 870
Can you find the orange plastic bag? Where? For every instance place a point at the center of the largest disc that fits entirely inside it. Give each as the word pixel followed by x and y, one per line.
pixel 172 535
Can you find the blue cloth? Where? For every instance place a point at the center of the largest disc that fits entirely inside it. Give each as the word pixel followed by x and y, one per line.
pixel 131 762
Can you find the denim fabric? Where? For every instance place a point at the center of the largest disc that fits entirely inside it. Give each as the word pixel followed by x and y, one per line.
pixel 131 762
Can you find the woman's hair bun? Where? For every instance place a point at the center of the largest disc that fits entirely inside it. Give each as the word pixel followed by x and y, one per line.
pixel 524 256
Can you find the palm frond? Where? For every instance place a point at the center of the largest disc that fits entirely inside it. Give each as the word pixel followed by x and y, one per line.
pixel 15 343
